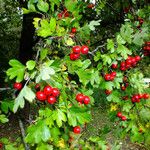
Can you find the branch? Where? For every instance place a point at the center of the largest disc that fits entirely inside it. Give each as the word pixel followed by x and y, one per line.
pixel 23 134
pixel 95 50
pixel 4 89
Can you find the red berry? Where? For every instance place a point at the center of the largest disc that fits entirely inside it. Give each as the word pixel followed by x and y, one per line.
pixel 73 30
pixel 123 118
pixel 55 92
pixel 114 66
pixel 137 58
pixel 76 49
pixel 125 79
pixel 84 49
pixel 128 62
pixel 119 114
pixel 141 21
pixel 74 56
pixel 47 90
pixel 107 77
pixel 59 16
pixel 145 96
pixel 86 100
pixel 90 5
pixel 1 145
pixel 17 85
pixel 147 43
pixel 122 68
pixel 80 97
pixel 108 92
pixel 133 100
pixel 51 99
pixel 77 130
pixel 40 96
pixel 147 48
pixel 113 74
pixel 133 60
pixel 123 88
pixel 123 64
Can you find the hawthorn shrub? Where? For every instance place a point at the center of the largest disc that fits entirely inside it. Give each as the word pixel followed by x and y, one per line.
pixel 67 68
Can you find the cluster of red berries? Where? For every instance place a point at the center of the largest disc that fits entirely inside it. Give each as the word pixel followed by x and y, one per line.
pixel 140 22
pixel 110 77
pixel 17 85
pixel 77 130
pixel 63 14
pixel 119 115
pixel 49 93
pixel 146 48
pixel 129 63
pixel 137 97
pixel 82 99
pixel 76 50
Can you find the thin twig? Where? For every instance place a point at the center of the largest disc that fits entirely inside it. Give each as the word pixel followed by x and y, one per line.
pixel 4 89
pixel 23 134
pixel 95 50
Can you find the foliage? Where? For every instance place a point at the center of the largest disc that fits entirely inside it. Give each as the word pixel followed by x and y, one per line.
pixel 54 126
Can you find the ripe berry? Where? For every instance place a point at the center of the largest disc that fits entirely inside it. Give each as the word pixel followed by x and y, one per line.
pixel 123 88
pixel 145 96
pixel 40 96
pixel 77 130
pixel 108 92
pixel 123 118
pixel 86 100
pixel 84 49
pixel 76 49
pixel 80 97
pixel 114 66
pixel 119 114
pixel 137 58
pixel 74 56
pixel 107 77
pixel 73 30
pixel 17 85
pixel 59 16
pixel 113 74
pixel 128 62
pixel 51 99
pixel 47 90
pixel 1 145
pixel 122 68
pixel 55 92
pixel 90 5
pixel 123 64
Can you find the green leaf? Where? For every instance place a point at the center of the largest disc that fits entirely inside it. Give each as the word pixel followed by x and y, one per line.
pixel 84 75
pixel 114 97
pixel 123 51
pixel 25 93
pixel 45 73
pixel 126 32
pixel 44 146
pixel 17 70
pixel 37 133
pixel 120 40
pixel 71 5
pixel 59 116
pixel 140 36
pixel 93 23
pixel 30 64
pixel 76 114
pixel 43 6
pixel 106 59
pixel 3 118
pixel 110 45
pixel 43 53
pixel 52 24
pixel 86 63
pixel 31 7
pixel 55 132
pixel 7 105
